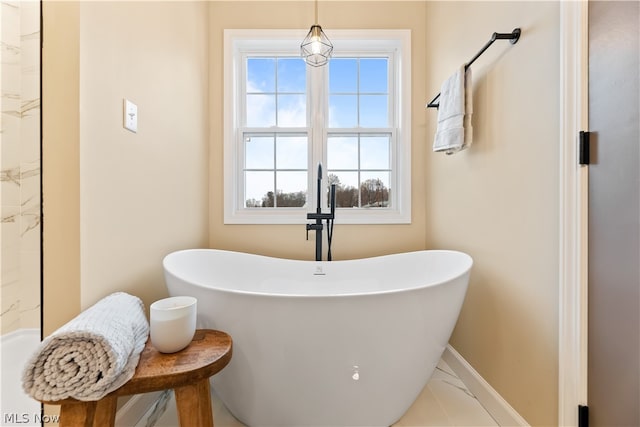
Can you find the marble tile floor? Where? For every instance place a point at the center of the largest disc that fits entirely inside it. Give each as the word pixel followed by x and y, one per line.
pixel 445 401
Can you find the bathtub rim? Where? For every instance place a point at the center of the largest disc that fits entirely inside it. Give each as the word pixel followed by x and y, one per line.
pixel 468 265
pixel 19 333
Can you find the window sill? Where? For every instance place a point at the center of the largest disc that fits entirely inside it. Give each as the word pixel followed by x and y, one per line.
pixel 299 216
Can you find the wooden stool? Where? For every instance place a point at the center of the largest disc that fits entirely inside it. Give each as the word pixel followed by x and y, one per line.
pixel 187 372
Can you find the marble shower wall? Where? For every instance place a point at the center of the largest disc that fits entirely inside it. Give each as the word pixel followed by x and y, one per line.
pixel 20 164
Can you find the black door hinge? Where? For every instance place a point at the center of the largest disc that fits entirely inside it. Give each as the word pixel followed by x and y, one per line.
pixel 584 155
pixel 583 416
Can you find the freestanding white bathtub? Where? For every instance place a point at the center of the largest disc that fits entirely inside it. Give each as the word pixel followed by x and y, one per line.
pixel 341 343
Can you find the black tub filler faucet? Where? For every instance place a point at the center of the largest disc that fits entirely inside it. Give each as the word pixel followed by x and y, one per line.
pixel 318 226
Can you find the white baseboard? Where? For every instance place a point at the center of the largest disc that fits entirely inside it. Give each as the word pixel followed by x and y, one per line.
pixel 497 407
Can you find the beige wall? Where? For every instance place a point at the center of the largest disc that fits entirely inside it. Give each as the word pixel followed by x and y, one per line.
pixel 60 163
pixel 350 241
pixel 498 201
pixel 120 201
pixel 142 194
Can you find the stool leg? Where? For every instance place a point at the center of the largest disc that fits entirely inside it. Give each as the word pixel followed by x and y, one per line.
pixel 106 412
pixel 77 414
pixel 194 404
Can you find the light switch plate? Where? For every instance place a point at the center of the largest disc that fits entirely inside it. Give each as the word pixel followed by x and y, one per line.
pixel 130 116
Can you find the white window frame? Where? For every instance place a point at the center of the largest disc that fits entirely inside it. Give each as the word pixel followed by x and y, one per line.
pixel 347 43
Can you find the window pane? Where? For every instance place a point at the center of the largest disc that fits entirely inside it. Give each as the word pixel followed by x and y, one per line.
pixel 342 152
pixel 258 152
pixel 343 75
pixel 261 110
pixel 374 111
pixel 343 111
pixel 292 75
pixel 374 152
pixel 374 189
pixel 258 190
pixel 292 189
pixel 261 75
pixel 346 188
pixel 292 110
pixel 373 75
pixel 291 152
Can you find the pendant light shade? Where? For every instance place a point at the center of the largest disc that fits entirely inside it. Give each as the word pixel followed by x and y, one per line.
pixel 316 48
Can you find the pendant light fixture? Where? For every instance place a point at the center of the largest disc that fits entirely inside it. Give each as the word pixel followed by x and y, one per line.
pixel 316 48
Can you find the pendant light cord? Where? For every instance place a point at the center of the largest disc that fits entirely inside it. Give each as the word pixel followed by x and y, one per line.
pixel 316 12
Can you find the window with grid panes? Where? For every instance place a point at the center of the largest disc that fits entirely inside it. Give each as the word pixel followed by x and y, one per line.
pixel 282 118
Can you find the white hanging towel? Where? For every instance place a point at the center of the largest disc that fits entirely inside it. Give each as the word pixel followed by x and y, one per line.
pixel 454 131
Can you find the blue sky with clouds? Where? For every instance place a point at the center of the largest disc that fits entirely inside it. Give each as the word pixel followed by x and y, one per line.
pixel 276 96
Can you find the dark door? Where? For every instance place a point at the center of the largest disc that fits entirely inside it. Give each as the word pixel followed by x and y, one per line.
pixel 614 214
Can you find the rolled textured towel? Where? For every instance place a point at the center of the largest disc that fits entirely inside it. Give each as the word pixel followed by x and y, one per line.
pixel 92 355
